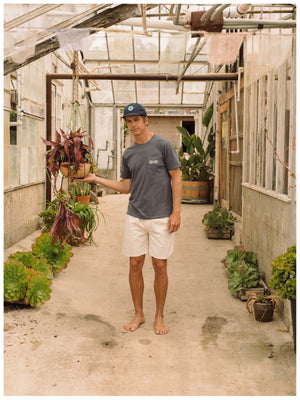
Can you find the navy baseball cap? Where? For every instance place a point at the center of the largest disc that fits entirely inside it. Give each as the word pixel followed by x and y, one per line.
pixel 134 109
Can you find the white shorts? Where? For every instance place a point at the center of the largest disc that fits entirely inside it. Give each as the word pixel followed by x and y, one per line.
pixel 143 236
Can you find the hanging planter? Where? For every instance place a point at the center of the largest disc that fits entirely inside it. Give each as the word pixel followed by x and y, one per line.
pixel 68 169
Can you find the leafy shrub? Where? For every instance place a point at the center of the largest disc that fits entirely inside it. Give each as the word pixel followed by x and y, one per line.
pixel 284 274
pixel 56 256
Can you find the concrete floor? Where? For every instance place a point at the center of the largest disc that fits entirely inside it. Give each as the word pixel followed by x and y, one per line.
pixel 74 345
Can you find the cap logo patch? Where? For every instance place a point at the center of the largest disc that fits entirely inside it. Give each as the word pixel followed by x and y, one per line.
pixel 130 108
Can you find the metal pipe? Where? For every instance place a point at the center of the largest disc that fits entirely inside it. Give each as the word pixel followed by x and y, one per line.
pixel 208 13
pixel 237 11
pixel 149 77
pixel 219 10
pixel 255 23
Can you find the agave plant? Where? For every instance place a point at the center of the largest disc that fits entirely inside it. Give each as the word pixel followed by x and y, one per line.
pixel 16 278
pixel 57 256
pixel 32 262
pixel 38 291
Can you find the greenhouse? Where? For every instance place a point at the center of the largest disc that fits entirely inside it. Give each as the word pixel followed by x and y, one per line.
pixel 175 114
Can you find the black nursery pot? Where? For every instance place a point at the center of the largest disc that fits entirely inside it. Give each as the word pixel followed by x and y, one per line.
pixel 263 312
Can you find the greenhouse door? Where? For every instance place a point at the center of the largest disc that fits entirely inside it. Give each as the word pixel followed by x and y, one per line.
pixel 230 150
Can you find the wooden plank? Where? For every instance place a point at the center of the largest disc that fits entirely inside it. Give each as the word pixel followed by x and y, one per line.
pixel 279 145
pixel 270 131
pixel 107 18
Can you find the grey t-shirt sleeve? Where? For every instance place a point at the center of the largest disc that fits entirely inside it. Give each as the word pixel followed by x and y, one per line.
pixel 171 157
pixel 125 172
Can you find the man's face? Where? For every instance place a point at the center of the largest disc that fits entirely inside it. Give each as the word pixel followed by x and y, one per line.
pixel 136 124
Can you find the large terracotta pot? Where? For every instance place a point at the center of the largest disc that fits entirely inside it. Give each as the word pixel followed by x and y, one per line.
pixel 67 169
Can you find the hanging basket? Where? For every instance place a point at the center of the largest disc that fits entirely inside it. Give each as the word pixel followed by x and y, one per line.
pixel 68 169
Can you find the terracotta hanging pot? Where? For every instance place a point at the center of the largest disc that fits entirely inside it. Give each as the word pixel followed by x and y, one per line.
pixel 68 169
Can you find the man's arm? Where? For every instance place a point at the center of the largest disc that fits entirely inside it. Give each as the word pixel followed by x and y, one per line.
pixel 174 220
pixel 122 186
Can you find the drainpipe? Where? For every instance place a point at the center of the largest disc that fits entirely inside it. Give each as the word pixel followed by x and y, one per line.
pixel 20 111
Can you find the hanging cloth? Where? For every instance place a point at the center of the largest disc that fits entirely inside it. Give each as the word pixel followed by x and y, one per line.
pixel 223 48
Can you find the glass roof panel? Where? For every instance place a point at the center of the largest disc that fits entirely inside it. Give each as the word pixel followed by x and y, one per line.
pixel 147 92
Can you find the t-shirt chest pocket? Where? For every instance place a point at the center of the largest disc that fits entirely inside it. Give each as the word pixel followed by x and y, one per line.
pixel 155 163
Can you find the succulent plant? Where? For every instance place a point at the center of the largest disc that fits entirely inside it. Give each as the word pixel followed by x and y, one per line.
pixel 33 262
pixel 16 278
pixel 38 291
pixel 58 257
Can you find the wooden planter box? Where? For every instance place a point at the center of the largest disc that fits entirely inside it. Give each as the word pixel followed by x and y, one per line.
pixel 214 234
pixel 261 289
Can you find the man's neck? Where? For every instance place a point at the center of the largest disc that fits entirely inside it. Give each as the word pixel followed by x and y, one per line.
pixel 144 137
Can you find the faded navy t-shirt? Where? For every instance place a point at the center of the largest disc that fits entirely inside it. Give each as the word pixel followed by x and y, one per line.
pixel 147 165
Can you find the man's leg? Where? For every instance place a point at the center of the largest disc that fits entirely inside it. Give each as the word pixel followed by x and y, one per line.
pixel 136 283
pixel 160 289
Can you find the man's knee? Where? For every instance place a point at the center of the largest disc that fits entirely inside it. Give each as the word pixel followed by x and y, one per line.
pixel 136 263
pixel 160 266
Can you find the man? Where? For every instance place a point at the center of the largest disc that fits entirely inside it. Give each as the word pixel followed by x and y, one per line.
pixel 151 174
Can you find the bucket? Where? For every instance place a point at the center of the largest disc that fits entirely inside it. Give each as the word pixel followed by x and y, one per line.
pixel 195 190
pixel 263 312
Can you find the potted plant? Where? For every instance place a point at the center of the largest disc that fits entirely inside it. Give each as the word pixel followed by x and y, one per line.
pixel 81 191
pixel 263 306
pixel 69 154
pixel 196 162
pixel 284 281
pixel 219 223
pixel 87 215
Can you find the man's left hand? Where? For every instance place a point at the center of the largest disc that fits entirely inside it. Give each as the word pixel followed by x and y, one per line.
pixel 174 222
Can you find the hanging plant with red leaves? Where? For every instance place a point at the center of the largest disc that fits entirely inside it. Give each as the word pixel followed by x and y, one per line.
pixel 69 148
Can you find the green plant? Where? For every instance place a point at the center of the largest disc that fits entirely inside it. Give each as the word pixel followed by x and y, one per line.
pixel 196 161
pixel 79 188
pixel 32 262
pixel 245 277
pixel 16 277
pixel 284 274
pixel 195 165
pixel 24 284
pixel 263 299
pixel 219 219
pixel 38 291
pixel 57 256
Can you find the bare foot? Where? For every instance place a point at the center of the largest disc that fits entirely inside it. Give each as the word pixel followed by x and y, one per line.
pixel 134 324
pixel 160 327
